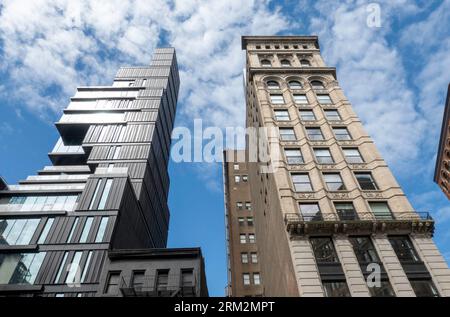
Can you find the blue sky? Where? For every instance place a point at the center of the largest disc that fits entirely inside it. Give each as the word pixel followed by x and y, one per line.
pixel 395 75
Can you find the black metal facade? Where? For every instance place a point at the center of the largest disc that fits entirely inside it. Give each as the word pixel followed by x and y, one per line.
pixel 106 190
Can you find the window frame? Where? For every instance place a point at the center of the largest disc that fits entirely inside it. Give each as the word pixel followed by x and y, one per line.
pixel 298 185
pixel 319 158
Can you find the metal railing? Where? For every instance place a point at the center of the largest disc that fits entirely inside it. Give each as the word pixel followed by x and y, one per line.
pixel 148 286
pixel 359 216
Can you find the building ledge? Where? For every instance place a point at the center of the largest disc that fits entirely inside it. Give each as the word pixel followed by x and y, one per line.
pixel 363 223
pixel 19 288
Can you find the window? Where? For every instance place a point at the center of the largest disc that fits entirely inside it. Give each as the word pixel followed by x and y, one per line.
pixel 332 115
pixel 46 230
pixel 105 194
pixel 256 279
pixel 237 179
pixel 112 288
pixel 341 133
pixel 282 115
pixel 302 183
pixel 287 134
pixel 94 197
pixel 162 280
pixel 324 99
pixel 305 63
pixel 138 280
pixel 250 221
pixel 241 221
pixel 239 205
pixel 72 231
pixel 73 268
pixel 86 267
pixel 246 278
pixel 117 152
pixel 424 288
pixel 273 85
pixel 315 84
pixel 336 289
pixel 86 229
pixel 17 231
pixel 384 290
pixel 244 178
pixel 38 203
pixel 345 211
pixel 285 63
pixel 187 278
pixel 334 181
pixel 277 99
pixel 254 256
pixel 323 156
pixel 20 268
pixel 266 63
pixel 242 238
pixel 324 250
pixel 248 205
pixel 310 211
pixel 404 249
pixel 244 258
pixel 307 115
pixel 294 156
pixel 314 134
pixel 293 84
pixel 353 156
pixel 62 267
pixel 364 250
pixel 366 181
pixel 300 99
pixel 251 238
pixel 101 230
pixel 381 210
pixel 236 167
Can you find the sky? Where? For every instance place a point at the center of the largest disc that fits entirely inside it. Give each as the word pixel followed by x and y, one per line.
pixel 395 73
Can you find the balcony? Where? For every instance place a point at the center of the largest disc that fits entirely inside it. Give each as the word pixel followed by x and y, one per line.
pixel 360 223
pixel 147 287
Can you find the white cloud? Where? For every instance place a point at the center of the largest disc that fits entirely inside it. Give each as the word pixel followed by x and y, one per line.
pixel 50 47
pixel 371 73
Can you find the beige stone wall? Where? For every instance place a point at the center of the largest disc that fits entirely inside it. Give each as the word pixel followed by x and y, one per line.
pixel 434 261
pixel 274 195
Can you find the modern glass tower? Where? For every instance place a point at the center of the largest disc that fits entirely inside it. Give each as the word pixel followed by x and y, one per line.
pixel 331 213
pixel 103 201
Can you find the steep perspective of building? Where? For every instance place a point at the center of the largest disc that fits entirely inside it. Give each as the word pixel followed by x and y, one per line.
pixel 244 278
pixel 332 213
pixel 95 222
pixel 442 171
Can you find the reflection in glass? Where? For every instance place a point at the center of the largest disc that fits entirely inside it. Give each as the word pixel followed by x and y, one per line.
pixel 20 268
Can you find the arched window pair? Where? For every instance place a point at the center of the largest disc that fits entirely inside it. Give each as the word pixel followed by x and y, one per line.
pixel 293 84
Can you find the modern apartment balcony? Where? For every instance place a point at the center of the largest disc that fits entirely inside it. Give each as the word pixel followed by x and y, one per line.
pixel 148 287
pixel 360 223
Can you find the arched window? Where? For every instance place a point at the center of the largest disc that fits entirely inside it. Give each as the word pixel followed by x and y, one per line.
pixel 285 63
pixel 266 63
pixel 293 84
pixel 271 84
pixel 316 84
pixel 305 62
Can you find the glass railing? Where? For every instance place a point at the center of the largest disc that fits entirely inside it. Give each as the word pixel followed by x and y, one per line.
pixel 57 177
pixel 59 187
